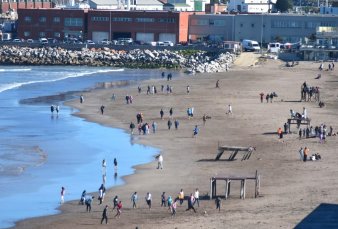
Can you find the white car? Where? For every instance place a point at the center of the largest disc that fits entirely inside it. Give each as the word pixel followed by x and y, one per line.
pixel 17 40
pixel 105 42
pixel 43 40
pixel 30 41
pixel 168 43
pixel 90 42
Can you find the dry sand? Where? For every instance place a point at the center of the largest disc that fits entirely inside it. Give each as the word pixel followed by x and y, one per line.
pixel 290 188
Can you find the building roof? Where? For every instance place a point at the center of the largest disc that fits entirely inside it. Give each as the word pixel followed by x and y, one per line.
pixel 148 2
pixel 104 2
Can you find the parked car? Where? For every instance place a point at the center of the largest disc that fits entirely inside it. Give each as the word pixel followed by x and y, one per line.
pixel 250 45
pixel 125 41
pixel 90 42
pixel 16 40
pixel 43 40
pixel 30 41
pixel 105 42
pixel 168 43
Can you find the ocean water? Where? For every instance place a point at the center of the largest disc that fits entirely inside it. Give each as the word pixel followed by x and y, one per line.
pixel 41 152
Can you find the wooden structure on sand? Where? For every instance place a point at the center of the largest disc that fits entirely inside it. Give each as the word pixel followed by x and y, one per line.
pixel 298 122
pixel 234 151
pixel 213 185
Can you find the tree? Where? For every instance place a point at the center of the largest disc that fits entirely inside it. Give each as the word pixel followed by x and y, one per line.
pixel 284 5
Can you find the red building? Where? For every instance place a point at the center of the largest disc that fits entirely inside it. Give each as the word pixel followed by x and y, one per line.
pixel 143 26
pixel 6 5
pixel 51 23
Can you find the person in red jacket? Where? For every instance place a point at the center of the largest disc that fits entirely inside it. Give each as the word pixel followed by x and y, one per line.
pixel 119 209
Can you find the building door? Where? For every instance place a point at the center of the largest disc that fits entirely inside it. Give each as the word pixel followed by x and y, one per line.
pixel 167 37
pixel 117 35
pixel 99 36
pixel 145 37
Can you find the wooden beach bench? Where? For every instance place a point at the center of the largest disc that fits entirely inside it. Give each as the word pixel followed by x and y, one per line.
pixel 229 179
pixel 234 151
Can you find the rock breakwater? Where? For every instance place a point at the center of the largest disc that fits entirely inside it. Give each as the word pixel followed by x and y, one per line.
pixel 189 60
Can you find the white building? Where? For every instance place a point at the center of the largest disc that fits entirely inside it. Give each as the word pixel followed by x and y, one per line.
pixel 146 5
pixel 186 5
pixel 251 6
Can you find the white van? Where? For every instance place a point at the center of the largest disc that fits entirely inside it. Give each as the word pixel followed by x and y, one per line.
pixel 274 47
pixel 249 45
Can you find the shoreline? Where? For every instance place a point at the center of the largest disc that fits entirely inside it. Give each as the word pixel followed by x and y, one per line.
pixel 274 199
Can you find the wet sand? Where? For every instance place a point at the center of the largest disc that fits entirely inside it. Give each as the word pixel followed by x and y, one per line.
pixel 290 188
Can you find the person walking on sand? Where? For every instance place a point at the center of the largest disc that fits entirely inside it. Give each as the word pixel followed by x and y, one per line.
pixel 134 199
pixel 197 197
pixel 280 132
pixel 105 215
pixel 177 123
pixel 102 109
pixel 161 113
pixel 217 84
pixel 261 96
pixel 57 109
pixel 306 153
pixel 115 202
pixel 169 202
pixel 229 109
pixel 173 208
pixel 102 192
pixel 171 112
pixel 181 196
pixel 148 200
pixel 52 109
pixel 218 203
pixel 163 200
pixel 195 132
pixel 301 153
pixel 154 126
pixel 191 201
pixel 63 192
pixel 81 99
pixel 118 209
pixel 160 162
pixel 204 119
pixel 188 89
pixel 132 127
pixel 88 202
pixel 170 123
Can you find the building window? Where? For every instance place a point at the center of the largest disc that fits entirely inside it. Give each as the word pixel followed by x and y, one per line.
pixel 69 21
pixel 56 19
pixel 219 23
pixel 42 34
pixel 26 33
pixel 286 24
pixel 145 19
pixel 100 19
pixel 42 19
pixel 57 34
pixel 199 22
pixel 28 19
pixel 167 20
pixel 121 19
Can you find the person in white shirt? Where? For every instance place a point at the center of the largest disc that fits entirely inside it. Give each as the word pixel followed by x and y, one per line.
pixel 160 162
pixel 197 197
pixel 148 200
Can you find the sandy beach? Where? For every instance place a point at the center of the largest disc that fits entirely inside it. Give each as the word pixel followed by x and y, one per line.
pixel 290 188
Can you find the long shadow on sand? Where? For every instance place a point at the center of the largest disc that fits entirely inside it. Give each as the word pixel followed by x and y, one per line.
pixel 213 160
pixel 292 101
pixel 324 216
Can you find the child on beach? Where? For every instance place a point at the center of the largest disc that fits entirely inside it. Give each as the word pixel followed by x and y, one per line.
pixel 134 199
pixel 119 209
pixel 218 203
pixel 148 200
pixel 173 208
